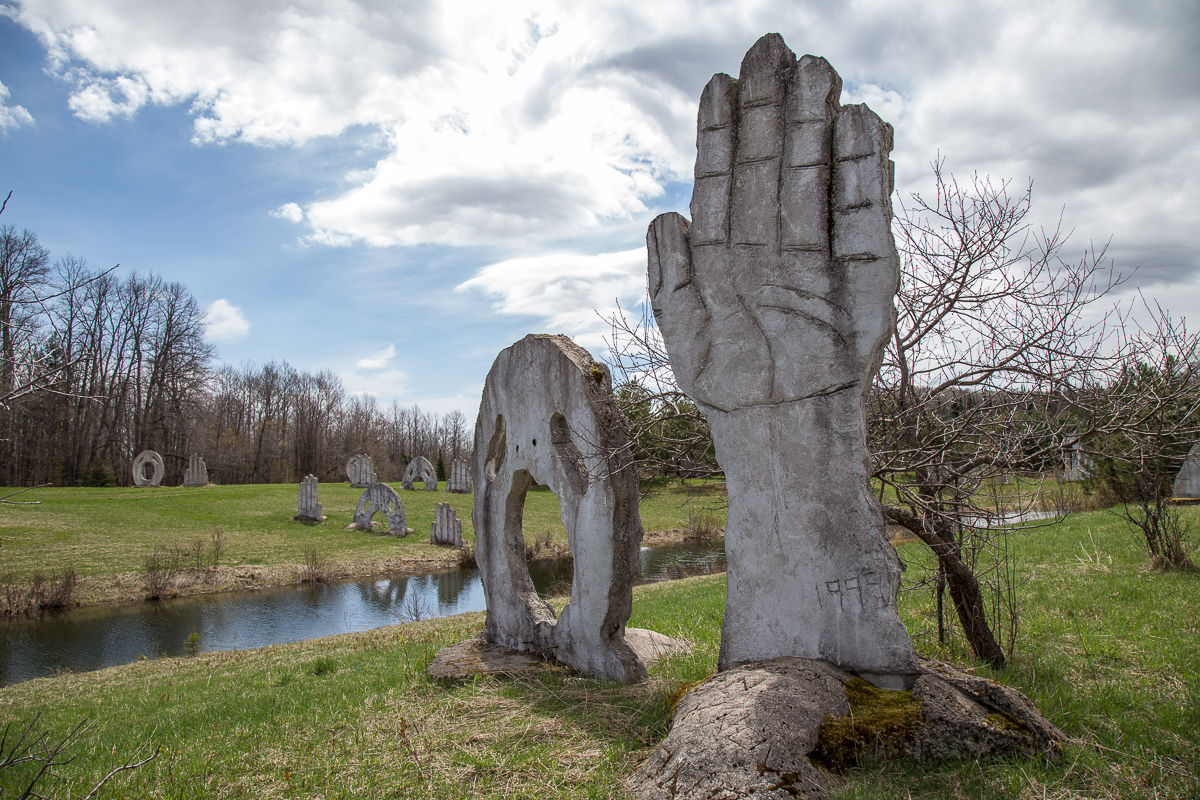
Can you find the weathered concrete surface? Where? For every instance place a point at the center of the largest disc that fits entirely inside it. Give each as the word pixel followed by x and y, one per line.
pixel 746 733
pixel 380 497
pixel 775 303
pixel 361 471
pixel 419 469
pixel 548 415
pixel 750 731
pixel 446 527
pixel 155 462
pixel 307 506
pixel 197 472
pixel 459 479
pixel 1187 482
pixel 477 656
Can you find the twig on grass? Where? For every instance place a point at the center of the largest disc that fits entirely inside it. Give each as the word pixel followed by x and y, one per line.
pixel 6 501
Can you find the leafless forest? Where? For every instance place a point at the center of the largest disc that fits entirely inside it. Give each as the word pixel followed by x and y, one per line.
pixel 96 367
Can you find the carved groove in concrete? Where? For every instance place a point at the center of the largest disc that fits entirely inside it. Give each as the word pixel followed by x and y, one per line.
pixel 548 414
pixel 155 462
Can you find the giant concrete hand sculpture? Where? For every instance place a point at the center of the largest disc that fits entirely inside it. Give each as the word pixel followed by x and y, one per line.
pixel 775 303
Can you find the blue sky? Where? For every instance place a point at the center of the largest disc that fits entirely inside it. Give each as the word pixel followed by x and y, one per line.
pixel 398 190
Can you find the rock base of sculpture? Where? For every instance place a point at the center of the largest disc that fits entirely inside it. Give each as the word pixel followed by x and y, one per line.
pixel 477 656
pixel 197 472
pixel 380 497
pixel 761 730
pixel 446 527
pixel 419 469
pixel 148 458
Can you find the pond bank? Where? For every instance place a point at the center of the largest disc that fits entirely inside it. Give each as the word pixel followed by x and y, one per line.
pixel 130 587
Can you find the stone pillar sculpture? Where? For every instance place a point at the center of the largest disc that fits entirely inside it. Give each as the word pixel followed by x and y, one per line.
pixel 459 479
pixel 446 527
pixel 196 473
pixel 155 462
pixel 307 507
pixel 419 469
pixel 548 415
pixel 775 302
pixel 361 471
pixel 380 497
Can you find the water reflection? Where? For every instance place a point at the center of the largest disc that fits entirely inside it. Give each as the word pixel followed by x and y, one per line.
pixel 92 638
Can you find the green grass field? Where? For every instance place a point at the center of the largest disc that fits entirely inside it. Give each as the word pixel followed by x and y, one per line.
pixel 1109 650
pixel 106 531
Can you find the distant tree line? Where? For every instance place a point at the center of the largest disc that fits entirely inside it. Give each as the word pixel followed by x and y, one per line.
pixel 95 368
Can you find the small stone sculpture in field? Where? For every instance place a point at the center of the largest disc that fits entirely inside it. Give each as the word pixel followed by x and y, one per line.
pixel 197 472
pixel 446 527
pixel 380 497
pixel 361 471
pixel 307 507
pixel 147 458
pixel 419 469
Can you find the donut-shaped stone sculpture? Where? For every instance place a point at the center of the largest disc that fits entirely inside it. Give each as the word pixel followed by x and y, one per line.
pixel 548 416
pixel 153 459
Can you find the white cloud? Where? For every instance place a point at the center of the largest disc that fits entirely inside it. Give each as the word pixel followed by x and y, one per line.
pixel 12 116
pixel 289 211
pixel 377 360
pixel 391 383
pixel 224 322
pixel 569 292
pixel 522 122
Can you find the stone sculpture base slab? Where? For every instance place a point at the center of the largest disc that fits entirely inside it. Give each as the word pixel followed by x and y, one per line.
pixel 300 518
pixel 477 656
pixel 760 730
pixel 376 526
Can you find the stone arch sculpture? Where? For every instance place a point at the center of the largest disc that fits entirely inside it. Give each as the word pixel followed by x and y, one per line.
pixel 361 471
pixel 548 415
pixel 153 460
pixel 380 497
pixel 419 469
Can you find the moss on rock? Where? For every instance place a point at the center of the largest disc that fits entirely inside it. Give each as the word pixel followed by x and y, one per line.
pixel 881 722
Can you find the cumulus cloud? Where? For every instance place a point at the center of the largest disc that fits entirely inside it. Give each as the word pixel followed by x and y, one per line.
pixel 289 211
pixel 510 123
pixel 225 323
pixel 12 116
pixel 377 360
pixel 565 290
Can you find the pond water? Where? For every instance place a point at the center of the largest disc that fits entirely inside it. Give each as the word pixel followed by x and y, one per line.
pixel 93 638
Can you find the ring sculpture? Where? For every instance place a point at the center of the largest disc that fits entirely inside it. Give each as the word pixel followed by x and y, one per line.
pixel 380 497
pixel 153 459
pixel 548 416
pixel 419 469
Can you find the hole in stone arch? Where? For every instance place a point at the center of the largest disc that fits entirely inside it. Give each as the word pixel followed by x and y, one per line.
pixel 518 552
pixel 568 455
pixel 496 450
